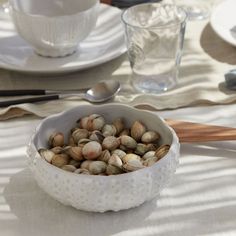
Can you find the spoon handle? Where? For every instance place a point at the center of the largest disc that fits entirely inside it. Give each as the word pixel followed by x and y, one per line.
pixel 189 132
pixel 22 92
pixel 19 92
pixel 29 100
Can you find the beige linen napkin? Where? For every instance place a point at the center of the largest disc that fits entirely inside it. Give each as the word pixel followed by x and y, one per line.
pixel 205 60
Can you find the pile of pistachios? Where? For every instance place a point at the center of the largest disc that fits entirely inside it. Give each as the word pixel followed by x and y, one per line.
pixel 97 148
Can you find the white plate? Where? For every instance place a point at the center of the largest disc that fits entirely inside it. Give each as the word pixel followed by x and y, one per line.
pixel 223 20
pixel 106 42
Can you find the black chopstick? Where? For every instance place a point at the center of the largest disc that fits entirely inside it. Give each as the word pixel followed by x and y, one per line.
pixel 19 92
pixel 29 100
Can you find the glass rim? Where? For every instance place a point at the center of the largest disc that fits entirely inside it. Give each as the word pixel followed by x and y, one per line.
pixel 154 27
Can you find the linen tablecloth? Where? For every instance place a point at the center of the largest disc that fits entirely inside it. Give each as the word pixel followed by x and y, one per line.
pixel 200 200
pixel 205 59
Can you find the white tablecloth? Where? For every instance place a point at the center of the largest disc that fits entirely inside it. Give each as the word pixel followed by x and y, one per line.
pixel 201 199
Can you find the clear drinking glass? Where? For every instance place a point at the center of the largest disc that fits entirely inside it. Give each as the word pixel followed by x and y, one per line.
pixel 154 36
pixel 196 9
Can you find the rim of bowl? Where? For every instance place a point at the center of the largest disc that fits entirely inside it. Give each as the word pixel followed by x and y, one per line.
pixel 174 144
pixel 12 8
pixel 154 27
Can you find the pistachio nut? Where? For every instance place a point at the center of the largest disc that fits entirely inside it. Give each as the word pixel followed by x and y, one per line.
pixel 97 167
pixel 82 171
pixel 152 146
pixel 92 150
pixel 74 163
pixel 105 156
pixel 74 152
pixel 162 151
pixel 150 161
pixel 128 142
pixel 46 154
pixel 69 168
pixel 115 161
pixel 110 143
pixel 85 164
pixel 148 154
pixel 79 134
pixel 150 137
pixel 109 130
pixel 56 139
pixel 60 160
pixel 83 122
pixel 113 170
pixel 137 130
pixel 57 150
pixel 119 124
pixel 141 149
pixel 71 142
pixel 95 122
pixel 125 149
pixel 130 156
pixel 96 135
pixel 133 165
pixel 119 152
pixel 125 132
pixel 83 141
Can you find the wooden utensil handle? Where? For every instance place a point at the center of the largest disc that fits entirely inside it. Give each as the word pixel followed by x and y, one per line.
pixel 195 132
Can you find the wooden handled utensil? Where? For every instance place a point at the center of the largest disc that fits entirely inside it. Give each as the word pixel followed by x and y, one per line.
pixel 194 132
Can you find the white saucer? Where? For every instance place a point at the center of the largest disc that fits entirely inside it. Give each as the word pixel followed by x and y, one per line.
pixel 223 21
pixel 106 42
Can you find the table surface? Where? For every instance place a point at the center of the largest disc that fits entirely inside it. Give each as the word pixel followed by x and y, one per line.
pixel 200 200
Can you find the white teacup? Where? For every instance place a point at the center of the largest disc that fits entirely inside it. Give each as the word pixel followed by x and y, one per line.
pixel 54 28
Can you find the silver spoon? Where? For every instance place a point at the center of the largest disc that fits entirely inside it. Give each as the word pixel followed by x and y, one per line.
pixel 100 92
pixel 230 79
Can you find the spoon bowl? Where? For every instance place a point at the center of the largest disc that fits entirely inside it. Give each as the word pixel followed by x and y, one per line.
pixel 102 91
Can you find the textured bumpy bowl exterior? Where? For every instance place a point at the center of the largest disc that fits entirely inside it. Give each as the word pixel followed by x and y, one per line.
pixel 102 193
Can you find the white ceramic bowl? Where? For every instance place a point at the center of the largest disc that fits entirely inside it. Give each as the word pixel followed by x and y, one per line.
pixel 102 193
pixel 54 28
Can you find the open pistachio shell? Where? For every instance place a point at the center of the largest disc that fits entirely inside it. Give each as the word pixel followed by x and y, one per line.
pixel 92 150
pixel 119 124
pixel 109 130
pixel 56 139
pixel 133 165
pixel 82 171
pixel 129 157
pixel 60 160
pixel 74 152
pixel 113 170
pixel 46 154
pixel 95 122
pixel 110 143
pixel 150 137
pixel 79 134
pixel 85 164
pixel 162 151
pixel 105 156
pixel 97 167
pixel 115 161
pixel 137 130
pixel 128 142
pixel 69 168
